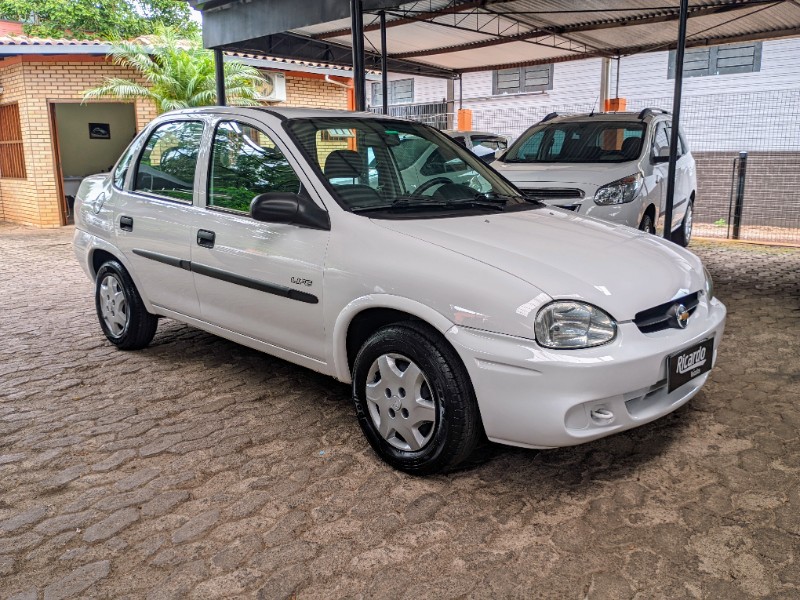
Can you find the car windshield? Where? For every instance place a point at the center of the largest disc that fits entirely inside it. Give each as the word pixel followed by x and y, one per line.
pixel 390 166
pixel 579 142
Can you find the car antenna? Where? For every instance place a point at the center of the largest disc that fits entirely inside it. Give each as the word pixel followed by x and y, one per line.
pixel 596 100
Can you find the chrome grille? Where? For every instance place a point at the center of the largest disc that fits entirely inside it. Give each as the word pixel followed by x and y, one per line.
pixel 553 193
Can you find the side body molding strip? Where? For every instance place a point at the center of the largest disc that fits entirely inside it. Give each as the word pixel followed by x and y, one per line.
pixel 253 284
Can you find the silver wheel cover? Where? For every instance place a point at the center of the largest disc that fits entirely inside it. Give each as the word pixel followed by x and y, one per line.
pixel 400 402
pixel 113 305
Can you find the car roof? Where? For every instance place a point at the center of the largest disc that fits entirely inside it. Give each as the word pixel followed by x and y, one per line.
pixel 282 113
pixel 452 132
pixel 607 116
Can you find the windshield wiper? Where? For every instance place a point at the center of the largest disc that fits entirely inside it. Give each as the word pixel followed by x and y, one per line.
pixel 401 204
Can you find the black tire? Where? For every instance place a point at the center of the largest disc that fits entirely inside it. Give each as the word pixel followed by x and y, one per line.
pixel 683 234
pixel 139 325
pixel 457 429
pixel 647 225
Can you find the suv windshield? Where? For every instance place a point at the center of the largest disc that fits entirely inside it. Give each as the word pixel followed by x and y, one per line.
pixel 579 142
pixel 382 165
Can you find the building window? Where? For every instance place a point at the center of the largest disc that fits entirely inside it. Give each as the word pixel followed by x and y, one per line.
pixel 401 91
pixel 523 79
pixel 718 60
pixel 12 156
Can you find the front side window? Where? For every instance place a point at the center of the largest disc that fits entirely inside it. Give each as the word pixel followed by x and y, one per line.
pixel 245 163
pixel 169 160
pixel 398 165
pixel 579 142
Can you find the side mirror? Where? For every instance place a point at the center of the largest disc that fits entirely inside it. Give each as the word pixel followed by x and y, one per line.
pixel 501 152
pixel 289 208
pixel 662 155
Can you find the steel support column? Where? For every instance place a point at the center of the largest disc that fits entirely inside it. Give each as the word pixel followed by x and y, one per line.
pixel 359 67
pixel 676 117
pixel 384 66
pixel 219 73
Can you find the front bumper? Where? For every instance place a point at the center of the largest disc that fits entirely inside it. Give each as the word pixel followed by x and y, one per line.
pixel 533 397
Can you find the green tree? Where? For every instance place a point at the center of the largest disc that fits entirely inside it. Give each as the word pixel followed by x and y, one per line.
pixel 179 73
pixel 106 19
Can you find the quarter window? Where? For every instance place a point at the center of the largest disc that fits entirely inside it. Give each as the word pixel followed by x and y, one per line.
pixel 122 166
pixel 169 160
pixel 245 163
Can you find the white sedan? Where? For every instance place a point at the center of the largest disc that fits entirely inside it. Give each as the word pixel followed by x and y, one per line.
pixel 457 308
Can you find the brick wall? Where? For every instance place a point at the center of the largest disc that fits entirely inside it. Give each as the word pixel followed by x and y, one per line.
pixel 771 193
pixel 311 90
pixel 34 82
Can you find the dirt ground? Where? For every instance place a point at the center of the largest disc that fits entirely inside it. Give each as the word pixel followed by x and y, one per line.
pixel 198 468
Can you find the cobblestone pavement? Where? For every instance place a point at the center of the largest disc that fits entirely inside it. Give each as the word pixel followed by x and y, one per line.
pixel 198 468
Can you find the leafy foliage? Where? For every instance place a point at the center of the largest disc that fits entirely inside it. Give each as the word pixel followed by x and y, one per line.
pixel 106 19
pixel 179 73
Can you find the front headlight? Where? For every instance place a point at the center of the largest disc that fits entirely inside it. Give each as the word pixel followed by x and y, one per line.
pixel 619 191
pixel 709 287
pixel 569 324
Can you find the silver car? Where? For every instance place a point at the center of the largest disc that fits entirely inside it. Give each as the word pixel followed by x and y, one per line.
pixel 612 166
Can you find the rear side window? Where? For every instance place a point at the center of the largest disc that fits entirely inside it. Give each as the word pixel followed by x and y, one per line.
pixel 169 160
pixel 245 162
pixel 585 141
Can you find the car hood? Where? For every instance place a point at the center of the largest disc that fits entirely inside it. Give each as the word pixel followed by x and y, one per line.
pixel 617 268
pixel 593 174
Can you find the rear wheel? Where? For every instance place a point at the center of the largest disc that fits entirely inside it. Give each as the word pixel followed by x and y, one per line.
pixel 120 309
pixel 414 400
pixel 683 235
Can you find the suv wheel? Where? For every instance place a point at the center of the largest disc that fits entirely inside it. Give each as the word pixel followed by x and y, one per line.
pixel 120 309
pixel 414 400
pixel 683 235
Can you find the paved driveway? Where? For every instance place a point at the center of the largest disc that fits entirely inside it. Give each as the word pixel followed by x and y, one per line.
pixel 198 468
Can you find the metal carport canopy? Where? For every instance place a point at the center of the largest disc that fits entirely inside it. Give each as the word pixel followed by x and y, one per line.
pixel 442 38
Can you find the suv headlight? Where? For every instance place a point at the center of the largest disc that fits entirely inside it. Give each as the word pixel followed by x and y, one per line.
pixel 709 286
pixel 569 324
pixel 619 191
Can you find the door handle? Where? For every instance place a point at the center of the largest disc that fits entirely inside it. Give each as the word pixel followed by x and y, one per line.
pixel 206 238
pixel 126 223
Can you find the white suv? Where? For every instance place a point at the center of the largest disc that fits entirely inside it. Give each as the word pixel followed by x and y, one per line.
pixel 455 308
pixel 612 166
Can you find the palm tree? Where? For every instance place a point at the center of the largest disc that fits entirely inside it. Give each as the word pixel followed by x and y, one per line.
pixel 179 73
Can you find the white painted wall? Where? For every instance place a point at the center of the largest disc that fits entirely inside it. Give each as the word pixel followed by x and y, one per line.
pixel 747 111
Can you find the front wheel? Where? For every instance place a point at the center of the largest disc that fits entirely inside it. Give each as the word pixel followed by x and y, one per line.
pixel 683 235
pixel 414 400
pixel 647 225
pixel 120 309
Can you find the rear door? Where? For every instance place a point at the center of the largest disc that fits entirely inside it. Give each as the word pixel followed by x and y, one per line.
pixel 261 280
pixel 154 214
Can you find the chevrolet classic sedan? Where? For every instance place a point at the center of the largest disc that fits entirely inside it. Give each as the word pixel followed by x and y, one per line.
pixel 458 309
